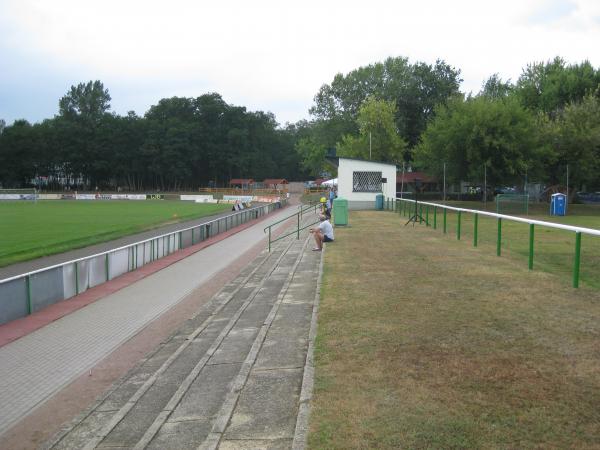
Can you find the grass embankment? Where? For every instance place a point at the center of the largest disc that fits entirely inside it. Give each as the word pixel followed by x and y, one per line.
pixel 29 230
pixel 427 342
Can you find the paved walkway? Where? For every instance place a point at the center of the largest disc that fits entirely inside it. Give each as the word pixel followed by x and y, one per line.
pixel 242 332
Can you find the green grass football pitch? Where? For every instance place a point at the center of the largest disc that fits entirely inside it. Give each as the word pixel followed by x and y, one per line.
pixel 29 230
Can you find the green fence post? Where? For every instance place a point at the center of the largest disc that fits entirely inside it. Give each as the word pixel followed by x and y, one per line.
pixel 106 266
pixel 269 239
pixel 445 212
pixel 475 230
pixel 577 259
pixel 427 216
pixel 499 240
pixel 458 227
pixel 420 213
pixel 298 229
pixel 435 217
pixel 530 246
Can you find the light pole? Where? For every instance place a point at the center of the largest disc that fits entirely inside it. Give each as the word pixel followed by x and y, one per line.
pixel 444 181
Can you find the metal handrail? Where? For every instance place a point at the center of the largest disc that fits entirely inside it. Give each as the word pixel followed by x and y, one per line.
pixel 295 231
pixel 531 222
pixel 298 215
pixel 43 269
pixel 303 208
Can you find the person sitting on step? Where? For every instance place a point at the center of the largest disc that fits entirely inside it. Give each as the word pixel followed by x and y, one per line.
pixel 324 233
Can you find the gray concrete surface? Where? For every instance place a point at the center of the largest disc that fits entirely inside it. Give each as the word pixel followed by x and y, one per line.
pixel 36 366
pixel 233 377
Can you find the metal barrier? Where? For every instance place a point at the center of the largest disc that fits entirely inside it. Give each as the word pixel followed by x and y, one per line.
pixel 298 215
pixel 399 205
pixel 24 294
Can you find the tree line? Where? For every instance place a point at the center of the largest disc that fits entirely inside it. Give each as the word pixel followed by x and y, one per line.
pixel 392 111
pixel 180 143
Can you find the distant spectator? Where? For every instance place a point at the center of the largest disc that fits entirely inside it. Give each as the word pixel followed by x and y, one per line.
pixel 328 209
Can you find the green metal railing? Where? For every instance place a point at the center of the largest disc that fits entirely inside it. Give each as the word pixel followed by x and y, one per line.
pixel 404 209
pixel 299 215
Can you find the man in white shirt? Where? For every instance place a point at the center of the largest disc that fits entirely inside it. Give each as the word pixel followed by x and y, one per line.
pixel 324 233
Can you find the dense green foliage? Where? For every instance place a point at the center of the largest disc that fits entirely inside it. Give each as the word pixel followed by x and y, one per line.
pixel 549 119
pixel 180 143
pixel 29 230
pixel 392 111
pixel 377 136
pixel 415 89
pixel 466 135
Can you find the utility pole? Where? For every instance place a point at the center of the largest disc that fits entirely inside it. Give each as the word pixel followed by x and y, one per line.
pixel 567 202
pixel 444 181
pixel 485 187
pixel 402 182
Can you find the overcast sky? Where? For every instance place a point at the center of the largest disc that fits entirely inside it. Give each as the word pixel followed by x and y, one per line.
pixel 267 55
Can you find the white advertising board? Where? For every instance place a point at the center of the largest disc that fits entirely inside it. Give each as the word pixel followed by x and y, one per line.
pixel 197 198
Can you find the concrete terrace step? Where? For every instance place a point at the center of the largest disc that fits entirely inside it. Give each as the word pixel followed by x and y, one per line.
pixel 231 377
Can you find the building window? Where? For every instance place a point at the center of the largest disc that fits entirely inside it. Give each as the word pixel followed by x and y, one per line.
pixel 366 181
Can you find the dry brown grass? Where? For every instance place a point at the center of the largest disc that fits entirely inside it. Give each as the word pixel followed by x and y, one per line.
pixel 425 342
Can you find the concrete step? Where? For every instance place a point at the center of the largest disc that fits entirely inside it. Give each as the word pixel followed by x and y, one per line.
pixel 230 377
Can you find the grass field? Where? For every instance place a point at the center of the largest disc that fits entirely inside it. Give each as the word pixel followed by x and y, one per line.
pixel 427 342
pixel 29 230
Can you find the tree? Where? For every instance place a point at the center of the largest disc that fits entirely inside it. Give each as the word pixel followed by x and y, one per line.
pixel 415 89
pixel 574 136
pixel 494 87
pixel 468 134
pixel 378 137
pixel 89 101
pixel 312 156
pixel 18 146
pixel 550 86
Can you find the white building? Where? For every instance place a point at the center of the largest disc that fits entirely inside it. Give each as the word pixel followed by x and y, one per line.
pixel 360 181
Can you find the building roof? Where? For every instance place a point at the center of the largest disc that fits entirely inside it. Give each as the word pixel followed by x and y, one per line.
pixel 275 181
pixel 335 160
pixel 241 181
pixel 409 177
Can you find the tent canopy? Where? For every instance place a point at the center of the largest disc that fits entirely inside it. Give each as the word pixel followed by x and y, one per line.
pixel 332 182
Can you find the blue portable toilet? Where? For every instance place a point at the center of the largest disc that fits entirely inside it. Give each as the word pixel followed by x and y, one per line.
pixel 379 201
pixel 558 205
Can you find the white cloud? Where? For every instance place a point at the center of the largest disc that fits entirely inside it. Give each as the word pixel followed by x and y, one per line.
pixel 266 54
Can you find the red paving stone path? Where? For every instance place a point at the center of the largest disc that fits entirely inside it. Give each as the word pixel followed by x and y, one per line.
pixel 22 327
